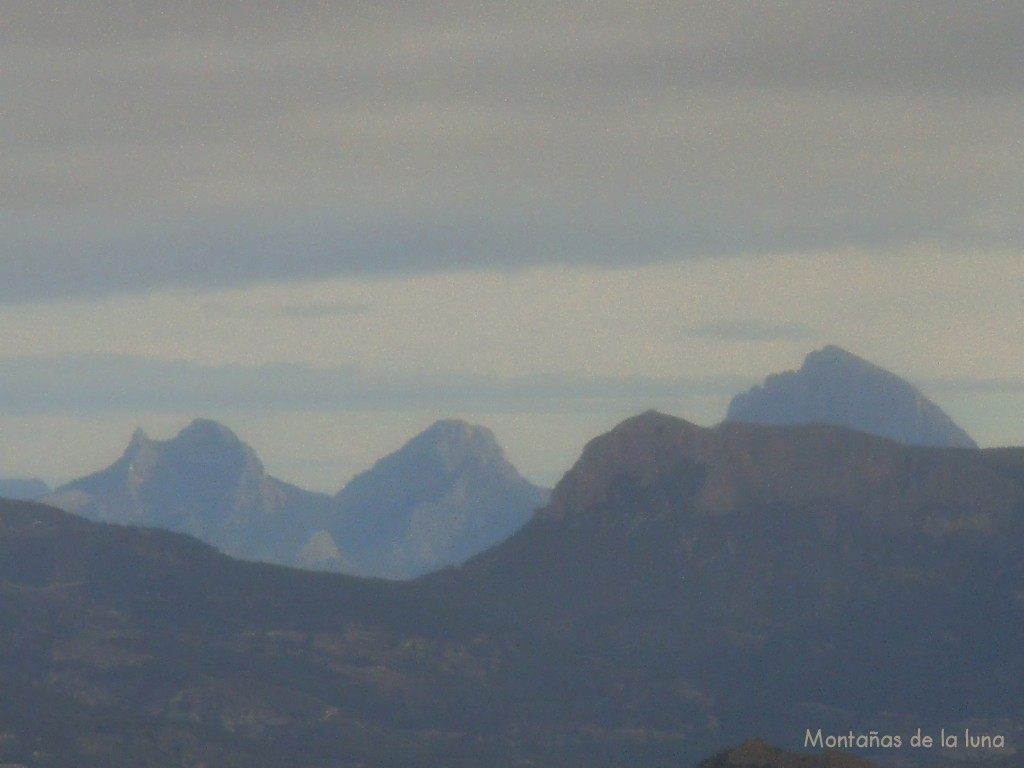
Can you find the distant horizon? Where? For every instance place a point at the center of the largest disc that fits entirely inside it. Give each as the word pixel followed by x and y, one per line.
pixel 541 478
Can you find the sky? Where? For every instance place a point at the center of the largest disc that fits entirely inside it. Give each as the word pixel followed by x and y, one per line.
pixel 329 224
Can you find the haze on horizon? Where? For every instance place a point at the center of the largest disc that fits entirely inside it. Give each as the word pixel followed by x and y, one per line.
pixel 329 226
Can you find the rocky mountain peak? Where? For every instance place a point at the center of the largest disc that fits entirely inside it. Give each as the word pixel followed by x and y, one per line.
pixel 640 448
pixel 454 442
pixel 209 435
pixel 207 430
pixel 204 481
pixel 834 386
pixel 206 449
pixel 445 495
pixel 702 473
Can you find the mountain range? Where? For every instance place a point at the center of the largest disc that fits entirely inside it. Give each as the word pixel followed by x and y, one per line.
pixel 204 482
pixel 445 496
pixel 684 588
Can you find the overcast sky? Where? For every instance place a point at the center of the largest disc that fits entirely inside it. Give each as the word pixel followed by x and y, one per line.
pixel 328 224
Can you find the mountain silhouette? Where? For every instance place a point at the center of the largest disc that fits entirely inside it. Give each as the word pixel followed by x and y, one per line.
pixel 836 387
pixel 684 588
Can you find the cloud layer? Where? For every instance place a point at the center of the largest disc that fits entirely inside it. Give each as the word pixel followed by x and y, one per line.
pixel 338 221
pixel 90 383
pixel 255 141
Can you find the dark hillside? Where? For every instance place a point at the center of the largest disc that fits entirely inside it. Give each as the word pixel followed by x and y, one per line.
pixel 683 588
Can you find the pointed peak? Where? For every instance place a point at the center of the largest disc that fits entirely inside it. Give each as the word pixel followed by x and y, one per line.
pixel 208 438
pixel 439 452
pixel 139 442
pixel 837 387
pixel 454 439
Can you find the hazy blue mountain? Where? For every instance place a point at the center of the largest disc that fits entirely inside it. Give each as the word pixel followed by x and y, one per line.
pixel 836 387
pixel 26 489
pixel 204 482
pixel 445 496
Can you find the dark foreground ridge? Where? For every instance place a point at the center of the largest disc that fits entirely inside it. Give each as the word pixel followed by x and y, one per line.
pixel 684 588
pixel 755 753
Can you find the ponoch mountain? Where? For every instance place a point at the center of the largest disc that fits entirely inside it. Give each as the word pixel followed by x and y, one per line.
pixel 448 494
pixel 204 482
pixel 836 387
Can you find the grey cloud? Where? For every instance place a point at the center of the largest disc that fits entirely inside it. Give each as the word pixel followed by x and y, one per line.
pixel 87 383
pixel 102 255
pixel 295 310
pixel 749 330
pixel 245 141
